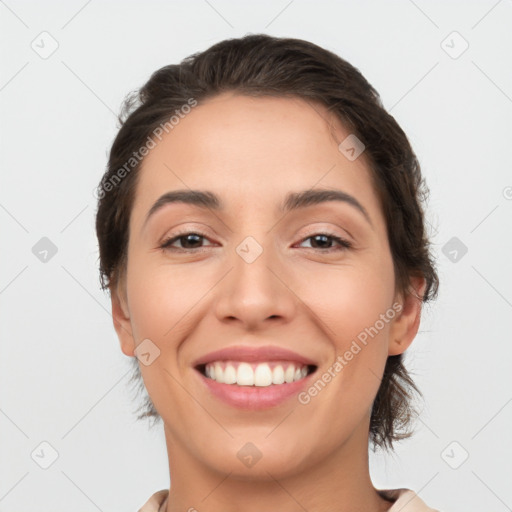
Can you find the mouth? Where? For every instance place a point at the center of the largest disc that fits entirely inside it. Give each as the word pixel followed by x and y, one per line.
pixel 261 374
pixel 254 378
pixel 254 386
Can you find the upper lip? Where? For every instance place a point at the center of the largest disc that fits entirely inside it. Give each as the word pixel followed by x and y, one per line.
pixel 251 354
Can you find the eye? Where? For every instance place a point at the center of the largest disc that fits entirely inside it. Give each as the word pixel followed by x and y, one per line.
pixel 323 240
pixel 190 241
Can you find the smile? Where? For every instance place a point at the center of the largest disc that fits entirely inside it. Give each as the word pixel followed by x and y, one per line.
pixel 256 386
pixel 261 374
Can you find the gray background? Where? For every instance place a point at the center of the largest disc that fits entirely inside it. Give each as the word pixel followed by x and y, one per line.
pixel 63 378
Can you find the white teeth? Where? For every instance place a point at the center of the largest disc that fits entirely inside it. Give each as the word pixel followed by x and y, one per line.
pixel 244 375
pixel 229 374
pixel 219 373
pixel 278 375
pixel 289 374
pixel 261 375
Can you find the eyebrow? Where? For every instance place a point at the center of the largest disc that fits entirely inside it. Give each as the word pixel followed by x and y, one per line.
pixel 293 201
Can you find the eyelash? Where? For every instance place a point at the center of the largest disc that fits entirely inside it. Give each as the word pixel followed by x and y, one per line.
pixel 166 244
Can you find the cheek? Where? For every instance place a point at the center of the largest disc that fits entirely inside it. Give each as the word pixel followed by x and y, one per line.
pixel 160 298
pixel 349 299
pixel 161 304
pixel 354 306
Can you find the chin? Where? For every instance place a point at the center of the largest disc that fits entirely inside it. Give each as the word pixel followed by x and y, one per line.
pixel 265 460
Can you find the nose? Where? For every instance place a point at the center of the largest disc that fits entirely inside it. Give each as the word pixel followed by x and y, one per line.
pixel 255 292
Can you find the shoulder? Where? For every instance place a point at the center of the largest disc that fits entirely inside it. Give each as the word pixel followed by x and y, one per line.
pixel 156 502
pixel 405 500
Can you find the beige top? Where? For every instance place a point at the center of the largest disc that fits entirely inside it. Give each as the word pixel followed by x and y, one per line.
pixel 405 500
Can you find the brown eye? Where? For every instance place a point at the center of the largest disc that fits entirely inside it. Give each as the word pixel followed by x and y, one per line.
pixel 189 241
pixel 323 242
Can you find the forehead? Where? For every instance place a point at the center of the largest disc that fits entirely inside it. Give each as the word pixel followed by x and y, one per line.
pixel 245 148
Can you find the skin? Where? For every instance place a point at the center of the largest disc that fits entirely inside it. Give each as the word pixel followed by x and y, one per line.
pixel 314 299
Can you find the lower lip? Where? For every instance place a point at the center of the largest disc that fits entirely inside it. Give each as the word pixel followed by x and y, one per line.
pixel 255 397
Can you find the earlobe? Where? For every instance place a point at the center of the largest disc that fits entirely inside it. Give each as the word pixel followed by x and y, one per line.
pixel 122 322
pixel 405 326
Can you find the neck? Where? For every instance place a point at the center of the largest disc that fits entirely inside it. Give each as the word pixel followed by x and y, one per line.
pixel 339 482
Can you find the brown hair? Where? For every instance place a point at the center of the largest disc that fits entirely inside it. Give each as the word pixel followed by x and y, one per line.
pixel 260 65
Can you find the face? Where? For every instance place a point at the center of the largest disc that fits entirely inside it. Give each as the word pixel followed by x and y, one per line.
pixel 309 287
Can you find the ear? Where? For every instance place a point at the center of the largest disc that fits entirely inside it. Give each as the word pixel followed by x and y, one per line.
pixel 121 319
pixel 405 326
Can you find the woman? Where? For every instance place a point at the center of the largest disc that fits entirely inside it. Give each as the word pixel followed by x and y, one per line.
pixel 262 238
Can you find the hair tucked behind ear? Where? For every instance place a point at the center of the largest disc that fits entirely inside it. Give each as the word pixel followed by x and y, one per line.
pixel 260 65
